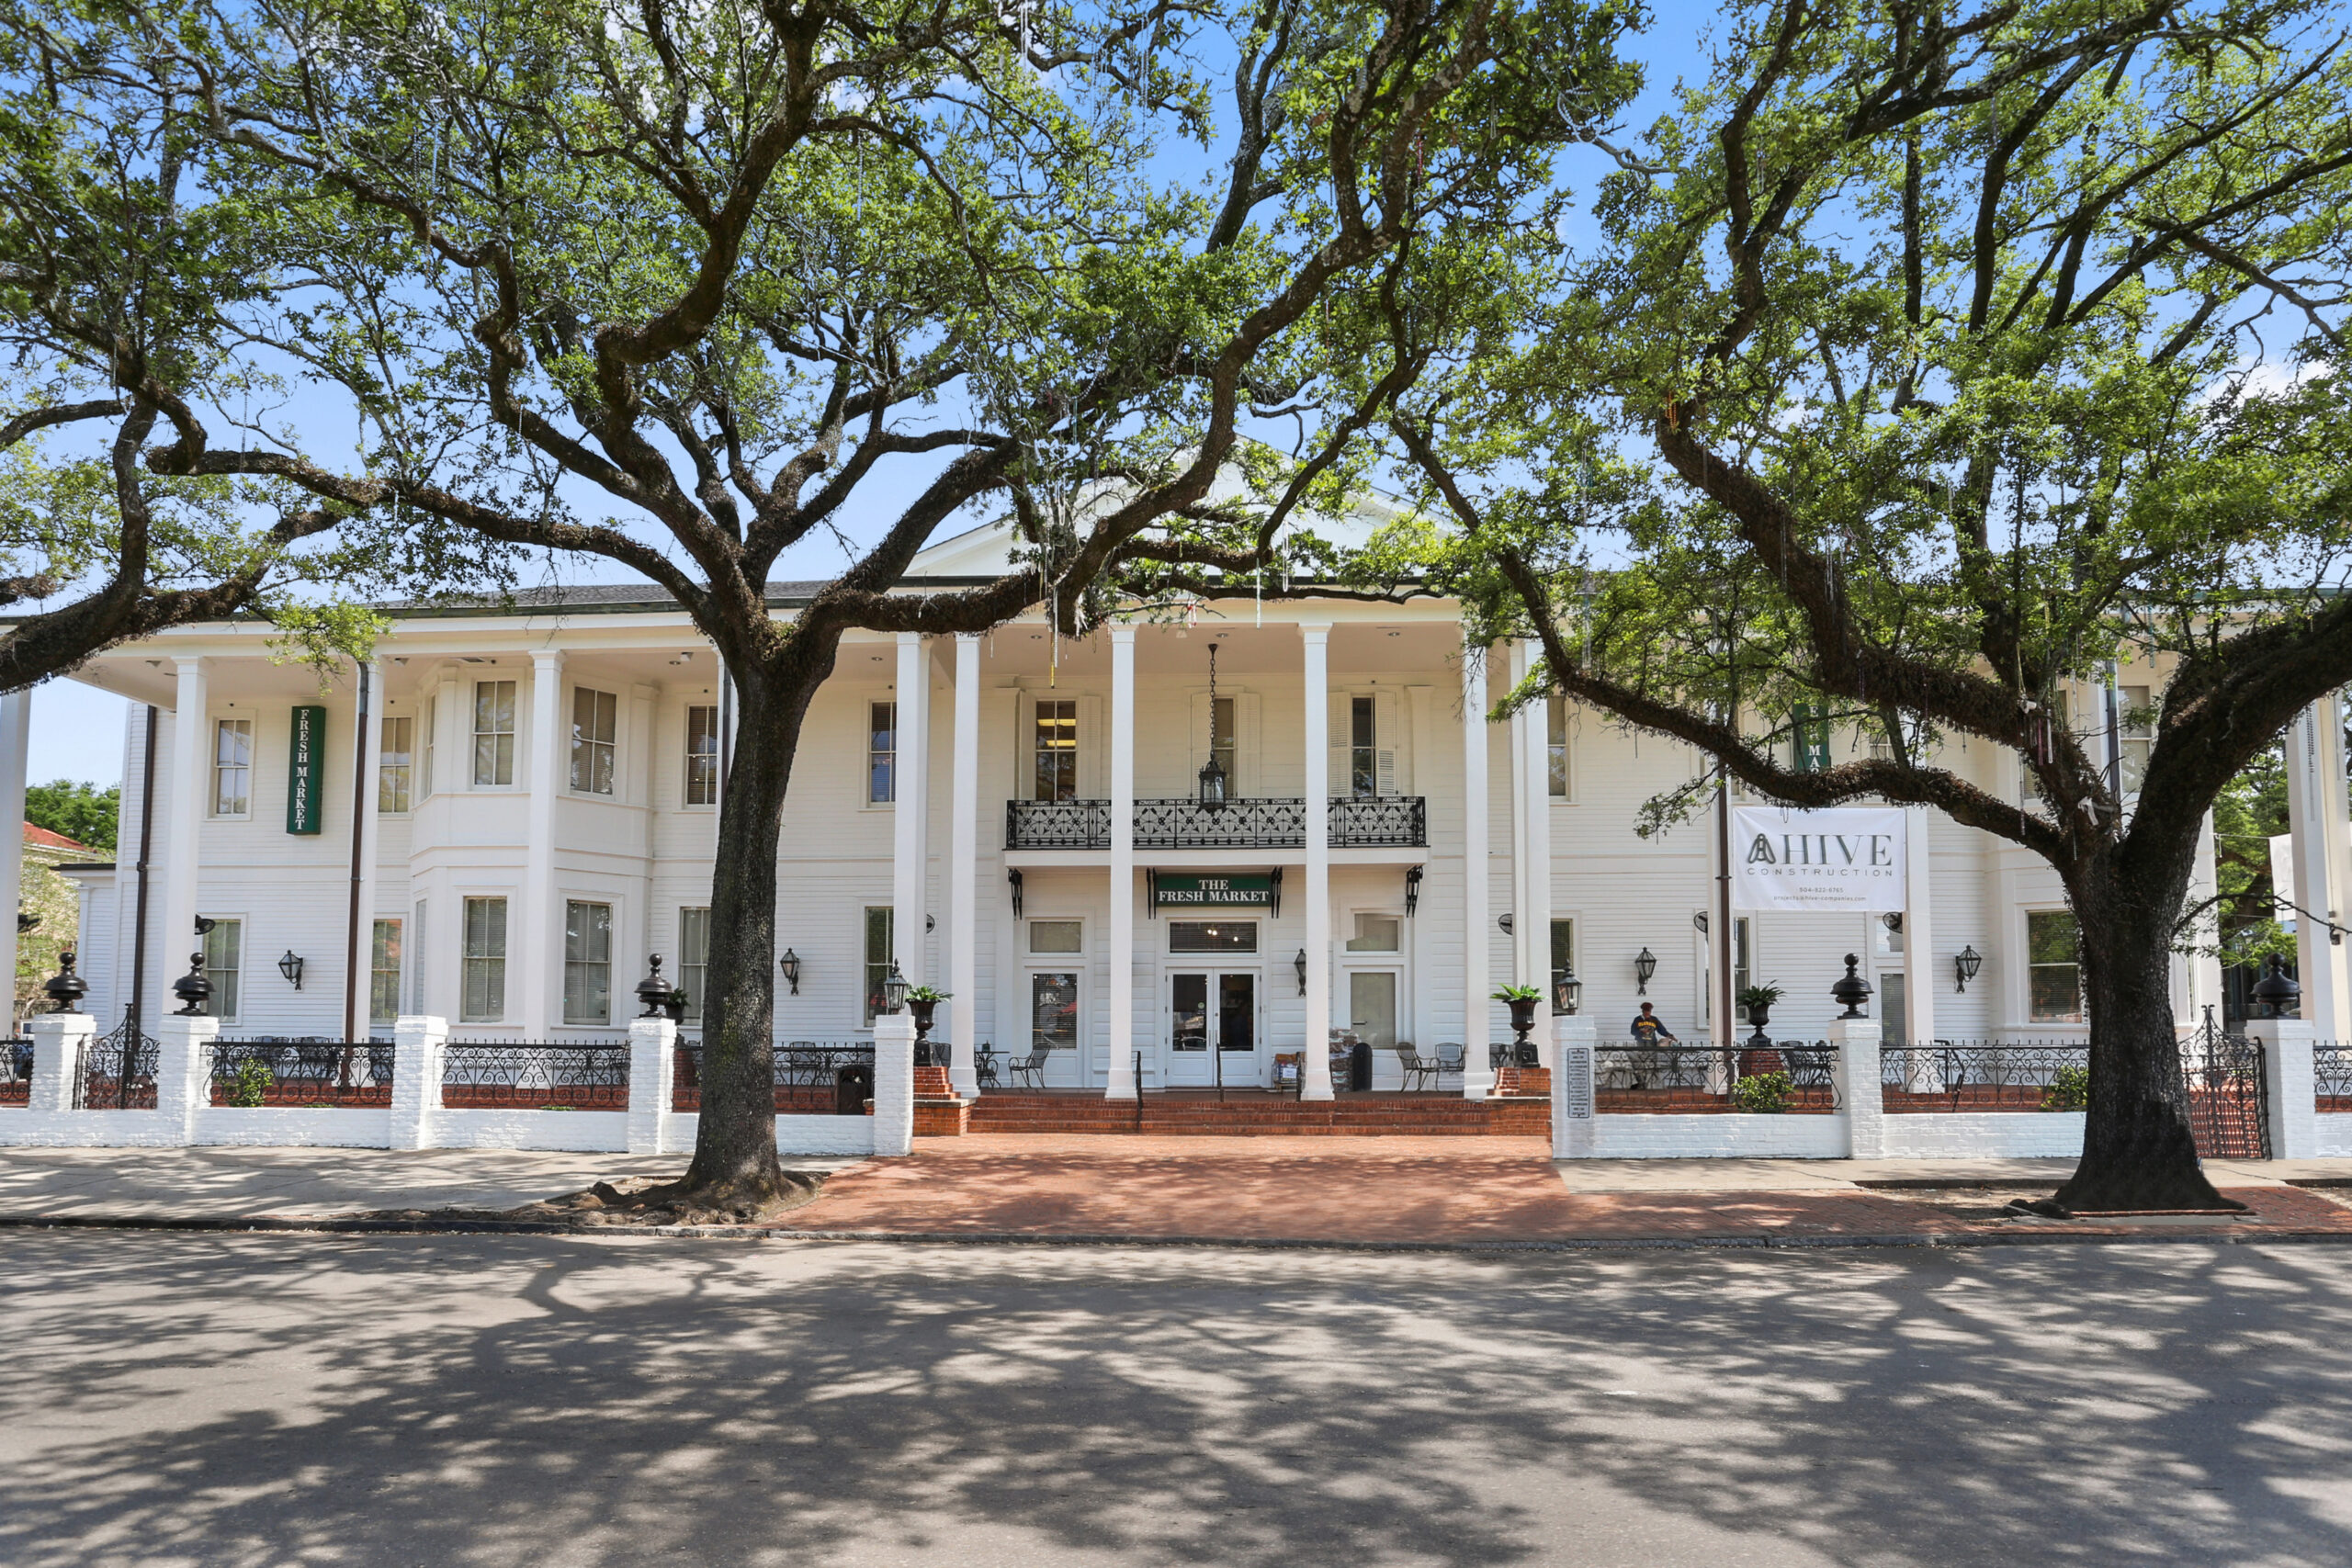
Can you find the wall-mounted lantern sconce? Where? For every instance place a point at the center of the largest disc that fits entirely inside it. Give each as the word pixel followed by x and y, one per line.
pixel 204 924
pixel 1699 924
pixel 1013 877
pixel 790 965
pixel 1964 965
pixel 1413 889
pixel 1506 922
pixel 291 967
pixel 1644 966
pixel 1300 964
pixel 1892 920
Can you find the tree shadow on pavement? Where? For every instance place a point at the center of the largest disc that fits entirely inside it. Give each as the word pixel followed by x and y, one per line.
pixel 527 1401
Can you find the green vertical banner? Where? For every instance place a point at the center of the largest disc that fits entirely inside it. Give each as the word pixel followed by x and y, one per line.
pixel 303 779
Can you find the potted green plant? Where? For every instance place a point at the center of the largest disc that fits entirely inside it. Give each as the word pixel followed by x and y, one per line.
pixel 1756 1003
pixel 1764 1094
pixel 922 1001
pixel 1523 1000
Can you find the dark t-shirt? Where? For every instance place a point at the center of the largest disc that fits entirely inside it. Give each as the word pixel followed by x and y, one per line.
pixel 1649 1030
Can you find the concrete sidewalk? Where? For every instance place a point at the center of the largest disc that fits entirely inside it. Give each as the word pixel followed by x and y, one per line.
pixel 1376 1191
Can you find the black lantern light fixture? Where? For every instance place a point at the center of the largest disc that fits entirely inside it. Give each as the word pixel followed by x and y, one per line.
pixel 894 989
pixel 1506 922
pixel 1964 965
pixel 291 967
pixel 2277 993
pixel 1567 991
pixel 790 965
pixel 1644 966
pixel 1413 889
pixel 1214 783
pixel 1851 991
pixel 192 989
pixel 1893 922
pixel 1300 964
pixel 1013 878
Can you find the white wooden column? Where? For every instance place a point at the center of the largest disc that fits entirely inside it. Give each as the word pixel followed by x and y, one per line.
pixel 1121 957
pixel 1535 790
pixel 1478 1075
pixel 1918 939
pixel 1315 1082
pixel 15 734
pixel 542 911
pixel 912 720
pixel 963 874
pixel 2204 988
pixel 191 792
pixel 368 721
pixel 2320 821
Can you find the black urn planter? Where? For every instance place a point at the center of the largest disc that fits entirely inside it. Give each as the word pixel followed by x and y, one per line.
pixel 922 1012
pixel 1759 1017
pixel 1523 1019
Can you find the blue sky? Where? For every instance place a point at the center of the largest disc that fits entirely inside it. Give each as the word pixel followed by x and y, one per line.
pixel 77 730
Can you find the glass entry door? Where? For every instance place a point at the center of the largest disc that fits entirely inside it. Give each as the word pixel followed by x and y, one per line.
pixel 1212 1029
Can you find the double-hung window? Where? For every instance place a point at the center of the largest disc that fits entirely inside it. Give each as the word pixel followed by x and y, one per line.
pixel 384 974
pixel 494 732
pixel 881 753
pixel 595 724
pixel 693 958
pixel 878 956
pixel 1054 749
pixel 702 755
pixel 1555 747
pixel 232 767
pixel 1364 747
pixel 2135 734
pixel 393 764
pixel 587 963
pixel 2053 966
pixel 224 965
pixel 484 997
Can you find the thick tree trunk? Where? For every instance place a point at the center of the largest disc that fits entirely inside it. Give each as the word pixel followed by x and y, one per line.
pixel 735 1160
pixel 2138 1152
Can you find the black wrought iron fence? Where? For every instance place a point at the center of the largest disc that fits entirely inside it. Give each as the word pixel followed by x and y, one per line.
pixel 1789 1076
pixel 1983 1075
pixel 812 1077
pixel 271 1070
pixel 16 1071
pixel 536 1074
pixel 2332 1076
pixel 1379 821
pixel 1057 824
pixel 117 1071
pixel 2229 1111
pixel 1253 822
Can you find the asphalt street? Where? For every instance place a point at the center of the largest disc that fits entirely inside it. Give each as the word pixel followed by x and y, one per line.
pixel 526 1400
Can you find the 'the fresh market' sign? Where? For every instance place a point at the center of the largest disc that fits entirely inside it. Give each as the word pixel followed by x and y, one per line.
pixel 303 780
pixel 1188 890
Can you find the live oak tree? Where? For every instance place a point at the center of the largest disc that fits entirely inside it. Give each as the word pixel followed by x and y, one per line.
pixel 1925 360
pixel 684 287
pixel 114 273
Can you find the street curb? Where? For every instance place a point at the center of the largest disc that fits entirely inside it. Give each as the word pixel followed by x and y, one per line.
pixel 1929 1241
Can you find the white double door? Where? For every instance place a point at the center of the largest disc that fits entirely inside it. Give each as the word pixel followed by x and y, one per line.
pixel 1213 1028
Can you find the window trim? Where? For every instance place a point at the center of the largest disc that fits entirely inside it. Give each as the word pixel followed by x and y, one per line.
pixel 687 801
pixel 503 957
pixel 693 973
pixel 2027 966
pixel 244 935
pixel 870 982
pixel 867 799
pixel 512 735
pixel 408 768
pixel 398 970
pixel 1561 745
pixel 585 747
pixel 1074 752
pixel 611 922
pixel 249 769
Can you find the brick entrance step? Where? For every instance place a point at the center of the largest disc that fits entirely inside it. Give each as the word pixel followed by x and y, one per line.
pixel 1357 1115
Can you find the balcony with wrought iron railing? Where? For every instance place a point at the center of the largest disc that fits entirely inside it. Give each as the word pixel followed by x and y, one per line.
pixel 1387 821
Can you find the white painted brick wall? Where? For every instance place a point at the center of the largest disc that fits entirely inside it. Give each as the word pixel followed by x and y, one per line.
pixel 308 1127
pixel 652 1043
pixel 581 1132
pixel 1732 1135
pixel 894 1084
pixel 2331 1135
pixel 794 1134
pixel 418 1041
pixel 1985 1135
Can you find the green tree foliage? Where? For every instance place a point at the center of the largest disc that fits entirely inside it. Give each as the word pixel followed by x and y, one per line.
pixel 81 811
pixel 1922 364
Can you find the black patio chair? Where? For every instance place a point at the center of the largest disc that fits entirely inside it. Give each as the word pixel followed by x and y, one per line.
pixel 1417 1068
pixel 1029 1072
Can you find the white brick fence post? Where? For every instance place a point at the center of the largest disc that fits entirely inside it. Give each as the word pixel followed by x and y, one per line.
pixel 1574 1135
pixel 183 1072
pixel 2289 1077
pixel 418 1042
pixel 59 1040
pixel 653 1049
pixel 894 1084
pixel 1857 1073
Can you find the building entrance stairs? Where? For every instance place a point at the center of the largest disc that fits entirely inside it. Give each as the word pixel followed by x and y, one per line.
pixel 1248 1114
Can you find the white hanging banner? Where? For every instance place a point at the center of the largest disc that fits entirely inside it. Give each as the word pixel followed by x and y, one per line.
pixel 1845 858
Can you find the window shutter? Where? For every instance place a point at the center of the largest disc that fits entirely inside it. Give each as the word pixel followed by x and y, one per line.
pixel 1384 731
pixel 1093 750
pixel 1338 721
pixel 1196 743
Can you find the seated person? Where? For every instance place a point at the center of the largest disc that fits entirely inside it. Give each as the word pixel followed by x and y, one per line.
pixel 1649 1029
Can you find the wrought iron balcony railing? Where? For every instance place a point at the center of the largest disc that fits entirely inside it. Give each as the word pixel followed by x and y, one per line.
pixel 1356 822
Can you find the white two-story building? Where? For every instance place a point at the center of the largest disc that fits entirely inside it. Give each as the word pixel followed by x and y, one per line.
pixel 524 813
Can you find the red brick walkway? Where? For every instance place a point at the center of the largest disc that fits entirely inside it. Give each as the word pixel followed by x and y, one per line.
pixel 1396 1191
